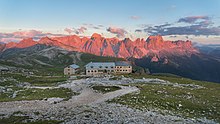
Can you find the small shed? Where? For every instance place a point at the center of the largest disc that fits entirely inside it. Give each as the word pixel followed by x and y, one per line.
pixel 71 69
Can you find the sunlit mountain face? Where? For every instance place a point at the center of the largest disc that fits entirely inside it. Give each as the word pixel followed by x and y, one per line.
pixel 152 46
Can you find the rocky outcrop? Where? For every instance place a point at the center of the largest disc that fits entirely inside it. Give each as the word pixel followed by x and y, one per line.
pixel 22 44
pixel 98 45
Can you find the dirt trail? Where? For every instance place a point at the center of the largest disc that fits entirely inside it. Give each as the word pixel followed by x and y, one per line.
pixel 87 96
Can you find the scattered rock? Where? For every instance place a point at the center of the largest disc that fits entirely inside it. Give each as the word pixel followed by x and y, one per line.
pixel 54 100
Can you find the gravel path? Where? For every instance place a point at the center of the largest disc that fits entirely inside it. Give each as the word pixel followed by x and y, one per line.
pixel 90 107
pixel 87 96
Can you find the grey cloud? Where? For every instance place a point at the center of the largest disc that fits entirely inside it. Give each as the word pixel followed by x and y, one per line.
pixel 202 27
pixel 138 30
pixel 120 33
pixel 193 19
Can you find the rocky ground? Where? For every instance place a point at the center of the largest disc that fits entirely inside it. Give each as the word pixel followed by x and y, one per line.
pixel 92 107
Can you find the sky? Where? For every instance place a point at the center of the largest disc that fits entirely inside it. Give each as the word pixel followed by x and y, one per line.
pixel 196 20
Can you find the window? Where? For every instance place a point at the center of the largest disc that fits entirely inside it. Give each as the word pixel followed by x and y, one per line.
pixel 129 66
pixel 91 66
pixel 92 71
pixel 100 66
pixel 120 67
pixel 106 66
pixel 88 71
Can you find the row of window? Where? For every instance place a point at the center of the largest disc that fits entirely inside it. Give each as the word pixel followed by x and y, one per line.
pixel 121 66
pixel 107 71
pixel 122 70
pixel 102 67
pixel 92 71
pixel 100 71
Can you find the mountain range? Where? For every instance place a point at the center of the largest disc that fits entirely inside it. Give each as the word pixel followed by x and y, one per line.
pixel 154 53
pixel 153 46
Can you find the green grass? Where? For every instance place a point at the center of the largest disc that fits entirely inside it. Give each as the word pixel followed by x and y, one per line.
pixel 86 58
pixel 38 81
pixel 105 89
pixel 32 94
pixel 13 120
pixel 46 122
pixel 37 94
pixel 204 102
pixel 57 64
pixel 21 120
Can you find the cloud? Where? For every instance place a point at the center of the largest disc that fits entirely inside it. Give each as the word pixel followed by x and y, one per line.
pixel 138 30
pixel 173 36
pixel 197 25
pixel 120 33
pixel 206 23
pixel 68 30
pixel 93 26
pixel 80 30
pixel 135 17
pixel 30 33
pixel 19 35
pixel 6 40
pixel 173 6
pixel 100 25
pixel 193 19
pixel 163 25
pixel 184 30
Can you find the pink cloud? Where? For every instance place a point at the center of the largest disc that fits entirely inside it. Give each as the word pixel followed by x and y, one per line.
pixel 7 40
pixel 193 19
pixel 68 30
pixel 19 35
pixel 135 17
pixel 80 30
pixel 30 33
pixel 120 33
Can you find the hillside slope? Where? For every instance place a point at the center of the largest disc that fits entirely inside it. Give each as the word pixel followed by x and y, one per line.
pixel 50 58
pixel 199 67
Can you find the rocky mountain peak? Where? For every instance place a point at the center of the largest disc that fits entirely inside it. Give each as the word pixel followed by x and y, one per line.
pixel 96 36
pixel 157 38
